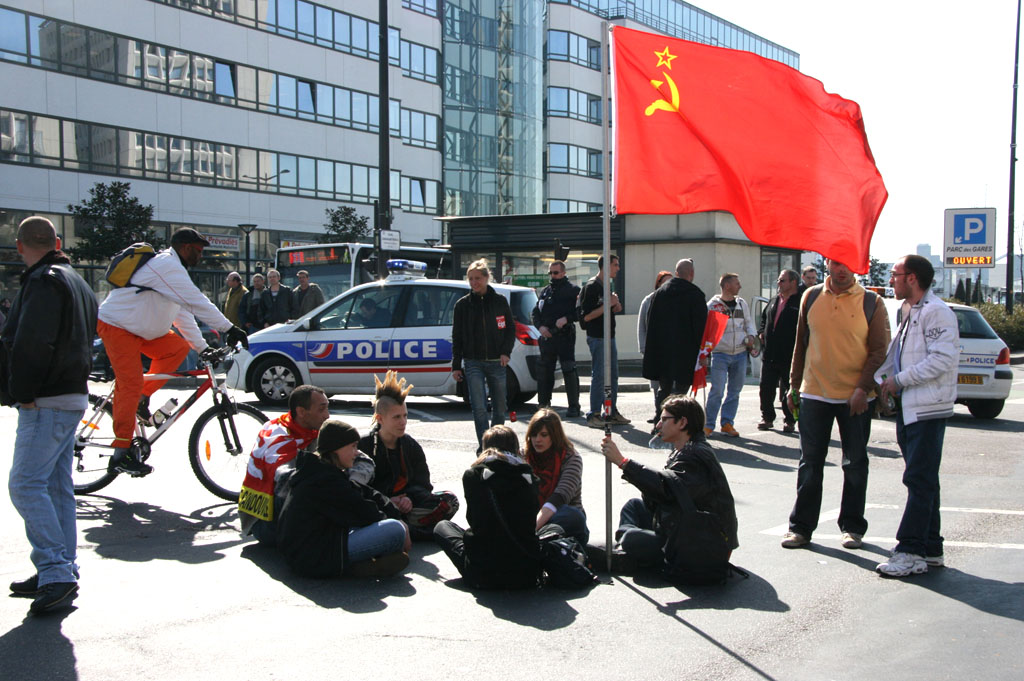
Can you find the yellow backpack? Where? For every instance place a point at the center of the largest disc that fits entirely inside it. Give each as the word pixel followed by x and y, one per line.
pixel 126 263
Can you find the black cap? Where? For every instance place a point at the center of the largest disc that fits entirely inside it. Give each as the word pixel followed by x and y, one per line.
pixel 187 235
pixel 334 435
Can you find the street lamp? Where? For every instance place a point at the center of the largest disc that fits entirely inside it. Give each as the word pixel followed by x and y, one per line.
pixel 247 228
pixel 267 178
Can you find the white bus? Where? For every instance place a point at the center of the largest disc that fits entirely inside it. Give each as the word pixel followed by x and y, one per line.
pixel 337 267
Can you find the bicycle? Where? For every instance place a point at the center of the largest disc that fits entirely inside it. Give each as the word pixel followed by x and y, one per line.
pixel 218 447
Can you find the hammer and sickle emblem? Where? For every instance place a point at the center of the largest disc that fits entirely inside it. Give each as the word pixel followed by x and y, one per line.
pixel 662 104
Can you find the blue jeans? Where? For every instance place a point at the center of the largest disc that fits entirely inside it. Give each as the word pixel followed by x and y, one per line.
pixel 921 444
pixel 636 534
pixel 379 539
pixel 725 370
pixel 42 490
pixel 816 419
pixel 573 520
pixel 476 371
pixel 596 346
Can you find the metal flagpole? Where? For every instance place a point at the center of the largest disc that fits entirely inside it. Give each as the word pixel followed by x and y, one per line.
pixel 606 259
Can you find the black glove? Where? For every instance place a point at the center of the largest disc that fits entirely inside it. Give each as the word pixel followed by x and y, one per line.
pixel 235 335
pixel 209 355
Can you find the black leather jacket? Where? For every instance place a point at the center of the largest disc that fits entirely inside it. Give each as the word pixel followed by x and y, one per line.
pixel 482 328
pixel 557 300
pixel 47 338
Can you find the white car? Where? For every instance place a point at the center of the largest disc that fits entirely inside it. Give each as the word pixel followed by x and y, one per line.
pixel 984 376
pixel 403 323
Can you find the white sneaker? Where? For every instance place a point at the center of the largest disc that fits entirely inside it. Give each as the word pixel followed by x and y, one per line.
pixel 902 564
pixel 935 561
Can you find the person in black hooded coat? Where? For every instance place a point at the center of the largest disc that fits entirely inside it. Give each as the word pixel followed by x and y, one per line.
pixel 675 328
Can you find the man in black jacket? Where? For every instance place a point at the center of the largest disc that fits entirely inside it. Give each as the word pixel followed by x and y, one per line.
pixel 483 335
pixel 47 356
pixel 553 315
pixel 675 327
pixel 778 334
pixel 657 530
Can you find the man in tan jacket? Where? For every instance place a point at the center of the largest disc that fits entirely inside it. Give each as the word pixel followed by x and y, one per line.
pixel 841 338
pixel 235 292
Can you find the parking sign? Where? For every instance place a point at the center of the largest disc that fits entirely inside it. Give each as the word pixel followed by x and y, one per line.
pixel 970 237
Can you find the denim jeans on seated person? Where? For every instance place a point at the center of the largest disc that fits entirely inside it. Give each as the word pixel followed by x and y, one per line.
pixel 573 520
pixel 377 539
pixel 636 534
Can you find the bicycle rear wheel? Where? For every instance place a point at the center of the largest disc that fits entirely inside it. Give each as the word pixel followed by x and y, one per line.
pixel 219 447
pixel 89 467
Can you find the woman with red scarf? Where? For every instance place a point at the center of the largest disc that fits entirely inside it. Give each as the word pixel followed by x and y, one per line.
pixel 559 469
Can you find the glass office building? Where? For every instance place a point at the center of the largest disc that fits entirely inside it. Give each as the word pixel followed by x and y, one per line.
pixel 221 112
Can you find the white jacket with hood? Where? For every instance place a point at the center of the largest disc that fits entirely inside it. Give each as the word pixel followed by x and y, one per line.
pixel 740 325
pixel 174 299
pixel 928 360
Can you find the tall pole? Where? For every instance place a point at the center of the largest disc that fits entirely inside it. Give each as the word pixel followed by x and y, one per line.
pixel 247 228
pixel 606 318
pixel 1013 163
pixel 383 211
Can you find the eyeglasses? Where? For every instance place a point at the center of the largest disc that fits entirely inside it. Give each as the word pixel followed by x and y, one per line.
pixel 898 274
pixel 553 272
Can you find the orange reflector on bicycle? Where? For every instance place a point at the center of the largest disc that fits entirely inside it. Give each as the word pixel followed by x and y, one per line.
pixel 207 450
pixel 91 425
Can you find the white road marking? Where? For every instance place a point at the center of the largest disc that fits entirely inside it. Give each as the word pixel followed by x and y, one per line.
pixel 833 514
pixel 424 416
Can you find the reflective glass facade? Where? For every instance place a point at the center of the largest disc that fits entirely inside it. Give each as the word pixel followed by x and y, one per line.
pixel 493 106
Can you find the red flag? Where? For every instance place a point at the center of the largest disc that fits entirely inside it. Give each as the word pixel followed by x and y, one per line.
pixel 701 128
pixel 714 327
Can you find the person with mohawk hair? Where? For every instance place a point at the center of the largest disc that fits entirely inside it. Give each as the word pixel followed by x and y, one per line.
pixel 400 466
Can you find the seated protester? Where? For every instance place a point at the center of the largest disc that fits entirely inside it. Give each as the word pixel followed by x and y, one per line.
pixel 401 471
pixel 280 440
pixel 330 525
pixel 559 469
pixel 659 531
pixel 500 549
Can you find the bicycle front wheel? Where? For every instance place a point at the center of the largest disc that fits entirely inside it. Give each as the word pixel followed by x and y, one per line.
pixel 93 439
pixel 219 447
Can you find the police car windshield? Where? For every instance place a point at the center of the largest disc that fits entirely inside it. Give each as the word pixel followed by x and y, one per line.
pixel 973 325
pixel 522 304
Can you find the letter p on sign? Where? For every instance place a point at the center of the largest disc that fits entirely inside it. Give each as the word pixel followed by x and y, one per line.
pixel 969 229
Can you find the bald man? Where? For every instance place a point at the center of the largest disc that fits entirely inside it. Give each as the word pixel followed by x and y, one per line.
pixel 47 356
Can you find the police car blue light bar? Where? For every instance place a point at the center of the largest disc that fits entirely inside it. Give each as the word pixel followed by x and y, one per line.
pixel 403 266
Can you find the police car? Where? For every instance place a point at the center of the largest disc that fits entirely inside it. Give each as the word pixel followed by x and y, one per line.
pixel 403 322
pixel 984 376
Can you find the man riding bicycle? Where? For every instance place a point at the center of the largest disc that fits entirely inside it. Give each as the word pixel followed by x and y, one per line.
pixel 136 320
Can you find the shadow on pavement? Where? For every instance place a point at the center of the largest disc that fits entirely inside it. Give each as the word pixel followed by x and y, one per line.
pixel 1002 599
pixel 38 649
pixel 671 610
pixel 545 609
pixel 140 532
pixel 351 595
pixel 739 593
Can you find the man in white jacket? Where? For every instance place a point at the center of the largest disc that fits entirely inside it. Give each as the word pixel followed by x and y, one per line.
pixel 136 320
pixel 920 371
pixel 729 357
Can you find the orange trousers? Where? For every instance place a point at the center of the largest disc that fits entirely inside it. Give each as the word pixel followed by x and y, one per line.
pixel 125 350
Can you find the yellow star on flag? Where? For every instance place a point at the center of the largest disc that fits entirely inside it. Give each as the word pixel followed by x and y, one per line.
pixel 664 58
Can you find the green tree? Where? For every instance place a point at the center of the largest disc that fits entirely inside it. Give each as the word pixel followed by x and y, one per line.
pixel 344 224
pixel 961 293
pixel 110 220
pixel 876 276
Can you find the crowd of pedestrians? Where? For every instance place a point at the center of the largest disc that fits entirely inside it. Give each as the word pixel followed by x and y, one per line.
pixel 335 503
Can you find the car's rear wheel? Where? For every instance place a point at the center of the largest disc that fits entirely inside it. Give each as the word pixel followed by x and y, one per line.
pixel 513 394
pixel 985 409
pixel 273 380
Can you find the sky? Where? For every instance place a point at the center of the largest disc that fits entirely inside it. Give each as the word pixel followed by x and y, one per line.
pixel 934 81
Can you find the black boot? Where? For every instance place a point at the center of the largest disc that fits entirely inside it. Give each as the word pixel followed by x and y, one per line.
pixel 545 383
pixel 572 391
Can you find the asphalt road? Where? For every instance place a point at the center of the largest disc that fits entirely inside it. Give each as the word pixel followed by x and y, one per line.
pixel 169 590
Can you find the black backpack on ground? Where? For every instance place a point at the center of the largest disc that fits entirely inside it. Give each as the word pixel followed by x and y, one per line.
pixel 565 560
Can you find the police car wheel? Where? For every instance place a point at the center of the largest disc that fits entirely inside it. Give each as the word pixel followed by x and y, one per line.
pixel 273 380
pixel 985 409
